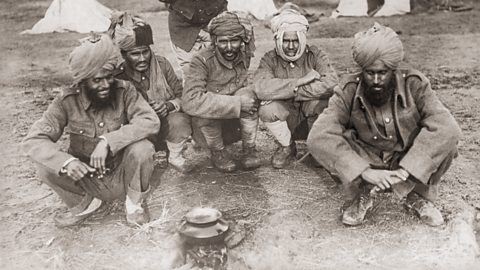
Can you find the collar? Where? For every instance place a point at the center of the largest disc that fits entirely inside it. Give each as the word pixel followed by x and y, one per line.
pixel 230 64
pixel 133 74
pixel 399 90
pixel 298 62
pixel 86 102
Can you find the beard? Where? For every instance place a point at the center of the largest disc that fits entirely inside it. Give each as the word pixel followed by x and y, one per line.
pixel 98 102
pixel 378 98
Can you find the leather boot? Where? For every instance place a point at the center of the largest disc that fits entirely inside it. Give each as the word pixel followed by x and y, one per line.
pixel 250 159
pixel 355 213
pixel 426 210
pixel 222 161
pixel 68 219
pixel 283 155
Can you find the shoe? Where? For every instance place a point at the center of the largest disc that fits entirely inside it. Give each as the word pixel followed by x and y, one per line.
pixel 250 160
pixel 355 213
pixel 283 155
pixel 222 161
pixel 63 220
pixel 136 214
pixel 180 164
pixel 426 210
pixel 176 157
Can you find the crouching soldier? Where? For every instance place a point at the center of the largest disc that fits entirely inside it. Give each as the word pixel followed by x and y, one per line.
pixel 294 82
pixel 216 91
pixel 109 156
pixel 386 129
pixel 155 79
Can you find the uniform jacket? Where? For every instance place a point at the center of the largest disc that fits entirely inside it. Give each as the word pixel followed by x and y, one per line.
pixel 141 81
pixel 127 120
pixel 187 17
pixel 275 78
pixel 210 83
pixel 427 131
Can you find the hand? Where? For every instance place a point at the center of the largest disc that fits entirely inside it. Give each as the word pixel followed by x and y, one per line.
pixel 77 170
pixel 160 108
pixel 384 179
pixel 170 106
pixel 248 104
pixel 311 76
pixel 99 155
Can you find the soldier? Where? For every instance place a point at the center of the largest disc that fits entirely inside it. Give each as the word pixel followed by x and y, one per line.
pixel 109 156
pixel 216 91
pixel 155 79
pixel 294 82
pixel 187 22
pixel 385 130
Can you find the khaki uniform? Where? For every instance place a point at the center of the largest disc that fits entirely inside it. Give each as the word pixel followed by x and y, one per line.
pixel 176 126
pixel 212 94
pixel 125 123
pixel 413 131
pixel 275 81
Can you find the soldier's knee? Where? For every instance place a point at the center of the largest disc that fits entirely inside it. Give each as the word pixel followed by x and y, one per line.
pixel 272 112
pixel 140 151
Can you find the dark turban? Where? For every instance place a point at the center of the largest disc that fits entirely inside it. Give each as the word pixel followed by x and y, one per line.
pixel 129 31
pixel 233 24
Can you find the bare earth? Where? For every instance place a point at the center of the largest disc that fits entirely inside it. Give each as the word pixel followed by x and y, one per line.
pixel 291 216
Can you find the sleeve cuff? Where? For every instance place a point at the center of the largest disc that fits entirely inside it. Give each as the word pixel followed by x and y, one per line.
pixel 350 167
pixel 418 164
pixel 176 104
pixel 63 170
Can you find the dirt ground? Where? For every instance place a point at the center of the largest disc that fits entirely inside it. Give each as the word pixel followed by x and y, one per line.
pixel 291 216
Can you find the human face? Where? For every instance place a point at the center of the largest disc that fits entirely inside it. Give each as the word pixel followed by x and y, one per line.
pixel 379 80
pixel 229 47
pixel 99 87
pixel 138 58
pixel 290 43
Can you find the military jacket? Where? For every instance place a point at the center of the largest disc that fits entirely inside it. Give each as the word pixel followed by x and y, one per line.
pixel 126 120
pixel 426 131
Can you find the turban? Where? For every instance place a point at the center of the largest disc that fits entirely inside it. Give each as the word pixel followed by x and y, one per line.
pixel 378 43
pixel 289 20
pixel 234 24
pixel 129 31
pixel 94 53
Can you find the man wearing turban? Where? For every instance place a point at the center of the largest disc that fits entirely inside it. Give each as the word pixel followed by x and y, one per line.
pixel 294 82
pixel 154 78
pixel 385 130
pixel 216 94
pixel 108 122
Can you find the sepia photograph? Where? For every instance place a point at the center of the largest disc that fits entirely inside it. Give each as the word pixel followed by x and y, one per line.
pixel 240 134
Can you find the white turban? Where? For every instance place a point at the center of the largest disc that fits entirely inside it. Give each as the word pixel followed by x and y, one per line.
pixel 94 53
pixel 289 20
pixel 378 43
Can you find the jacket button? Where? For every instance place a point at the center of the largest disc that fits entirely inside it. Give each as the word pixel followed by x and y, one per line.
pixel 218 91
pixel 143 78
pixel 78 91
pixel 101 124
pixel 404 75
pixel 375 137
pixel 390 137
pixel 358 79
pixel 387 120
pixel 385 161
pixel 82 131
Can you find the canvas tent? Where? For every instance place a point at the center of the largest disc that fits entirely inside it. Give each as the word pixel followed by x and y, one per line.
pixel 260 9
pixel 376 8
pixel 81 16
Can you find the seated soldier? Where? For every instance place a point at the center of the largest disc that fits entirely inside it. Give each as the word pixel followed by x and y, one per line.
pixel 108 122
pixel 385 130
pixel 216 90
pixel 155 79
pixel 294 82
